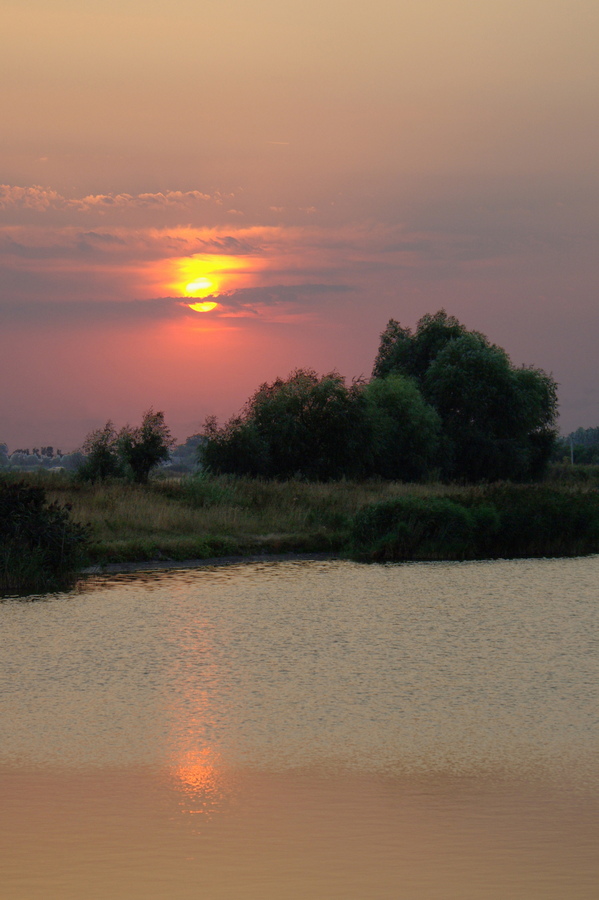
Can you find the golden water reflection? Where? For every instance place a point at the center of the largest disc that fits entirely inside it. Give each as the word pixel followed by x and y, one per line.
pixel 200 781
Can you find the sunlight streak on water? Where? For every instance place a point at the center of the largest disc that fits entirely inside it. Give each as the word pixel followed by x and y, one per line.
pixel 326 728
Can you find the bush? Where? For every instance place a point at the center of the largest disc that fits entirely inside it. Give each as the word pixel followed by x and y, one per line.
pixel 418 528
pixel 40 546
pixel 501 521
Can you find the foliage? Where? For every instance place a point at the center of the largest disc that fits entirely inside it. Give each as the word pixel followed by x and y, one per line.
pixel 417 528
pixel 101 455
pixel 305 426
pixel 502 520
pixel 581 446
pixel 404 428
pixel 40 546
pixel 132 452
pixel 143 448
pixel 497 420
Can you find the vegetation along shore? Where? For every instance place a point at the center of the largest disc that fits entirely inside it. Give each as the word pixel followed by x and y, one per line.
pixel 445 453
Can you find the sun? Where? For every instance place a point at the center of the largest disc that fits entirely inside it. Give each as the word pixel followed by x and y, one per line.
pixel 206 306
pixel 205 275
pixel 200 284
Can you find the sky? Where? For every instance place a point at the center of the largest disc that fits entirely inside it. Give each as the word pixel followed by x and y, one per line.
pixel 300 172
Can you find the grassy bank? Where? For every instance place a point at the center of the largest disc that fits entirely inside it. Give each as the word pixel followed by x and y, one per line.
pixel 200 517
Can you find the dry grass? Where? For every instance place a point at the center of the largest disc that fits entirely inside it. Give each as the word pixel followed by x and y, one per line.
pixel 201 517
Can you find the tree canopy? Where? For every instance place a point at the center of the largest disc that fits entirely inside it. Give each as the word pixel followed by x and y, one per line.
pixel 132 452
pixel 498 421
pixel 442 400
pixel 306 426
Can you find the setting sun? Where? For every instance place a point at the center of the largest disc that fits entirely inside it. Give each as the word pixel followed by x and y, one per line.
pixel 205 275
pixel 203 307
pixel 201 284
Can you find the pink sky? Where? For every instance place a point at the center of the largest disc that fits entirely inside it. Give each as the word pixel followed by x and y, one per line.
pixel 315 168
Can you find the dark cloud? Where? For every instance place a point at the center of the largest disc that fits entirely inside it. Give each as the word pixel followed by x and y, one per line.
pixel 229 245
pixel 276 295
pixel 102 237
pixel 251 301
pixel 71 250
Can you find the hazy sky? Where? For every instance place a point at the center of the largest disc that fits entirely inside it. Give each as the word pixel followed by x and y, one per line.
pixel 313 168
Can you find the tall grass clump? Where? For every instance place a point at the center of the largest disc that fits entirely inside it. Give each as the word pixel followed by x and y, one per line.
pixel 40 546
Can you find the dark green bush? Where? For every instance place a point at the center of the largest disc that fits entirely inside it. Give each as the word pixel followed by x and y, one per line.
pixel 417 528
pixel 40 546
pixel 536 520
pixel 502 520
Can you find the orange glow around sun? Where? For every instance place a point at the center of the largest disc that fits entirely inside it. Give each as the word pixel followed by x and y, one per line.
pixel 206 275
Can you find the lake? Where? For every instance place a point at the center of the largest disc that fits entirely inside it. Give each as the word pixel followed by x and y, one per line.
pixel 304 729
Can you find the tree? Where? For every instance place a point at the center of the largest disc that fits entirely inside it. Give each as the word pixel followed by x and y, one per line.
pixel 102 455
pixel 405 429
pixel 145 447
pixel 498 421
pixel 308 426
pixel 131 451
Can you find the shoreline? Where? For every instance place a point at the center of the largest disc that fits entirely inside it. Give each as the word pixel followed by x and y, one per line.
pixel 209 562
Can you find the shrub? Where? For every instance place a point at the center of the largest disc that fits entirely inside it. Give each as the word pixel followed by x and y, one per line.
pixel 40 546
pixel 418 528
pixel 503 520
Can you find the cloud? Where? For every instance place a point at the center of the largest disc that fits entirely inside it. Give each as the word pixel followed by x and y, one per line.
pixel 157 200
pixel 77 312
pixel 258 301
pixel 253 302
pixel 104 238
pixel 34 197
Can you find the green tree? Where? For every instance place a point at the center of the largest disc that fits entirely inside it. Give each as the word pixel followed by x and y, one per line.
pixel 143 448
pixel 498 421
pixel 405 429
pixel 131 452
pixel 102 458
pixel 308 426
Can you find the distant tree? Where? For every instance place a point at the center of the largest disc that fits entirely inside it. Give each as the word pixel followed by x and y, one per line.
pixel 102 458
pixel 498 421
pixel 143 448
pixel 132 452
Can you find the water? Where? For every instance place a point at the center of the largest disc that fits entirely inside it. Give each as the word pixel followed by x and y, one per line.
pixel 304 729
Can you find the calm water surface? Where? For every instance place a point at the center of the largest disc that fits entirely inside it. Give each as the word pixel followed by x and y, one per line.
pixel 304 730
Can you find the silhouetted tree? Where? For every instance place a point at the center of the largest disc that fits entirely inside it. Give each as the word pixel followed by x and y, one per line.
pixel 306 426
pixel 145 447
pixel 405 430
pixel 102 458
pixel 133 451
pixel 498 421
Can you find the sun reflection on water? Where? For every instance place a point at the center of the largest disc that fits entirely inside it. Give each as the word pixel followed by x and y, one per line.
pixel 201 781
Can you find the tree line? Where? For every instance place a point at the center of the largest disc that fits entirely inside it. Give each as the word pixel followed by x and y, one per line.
pixel 442 401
